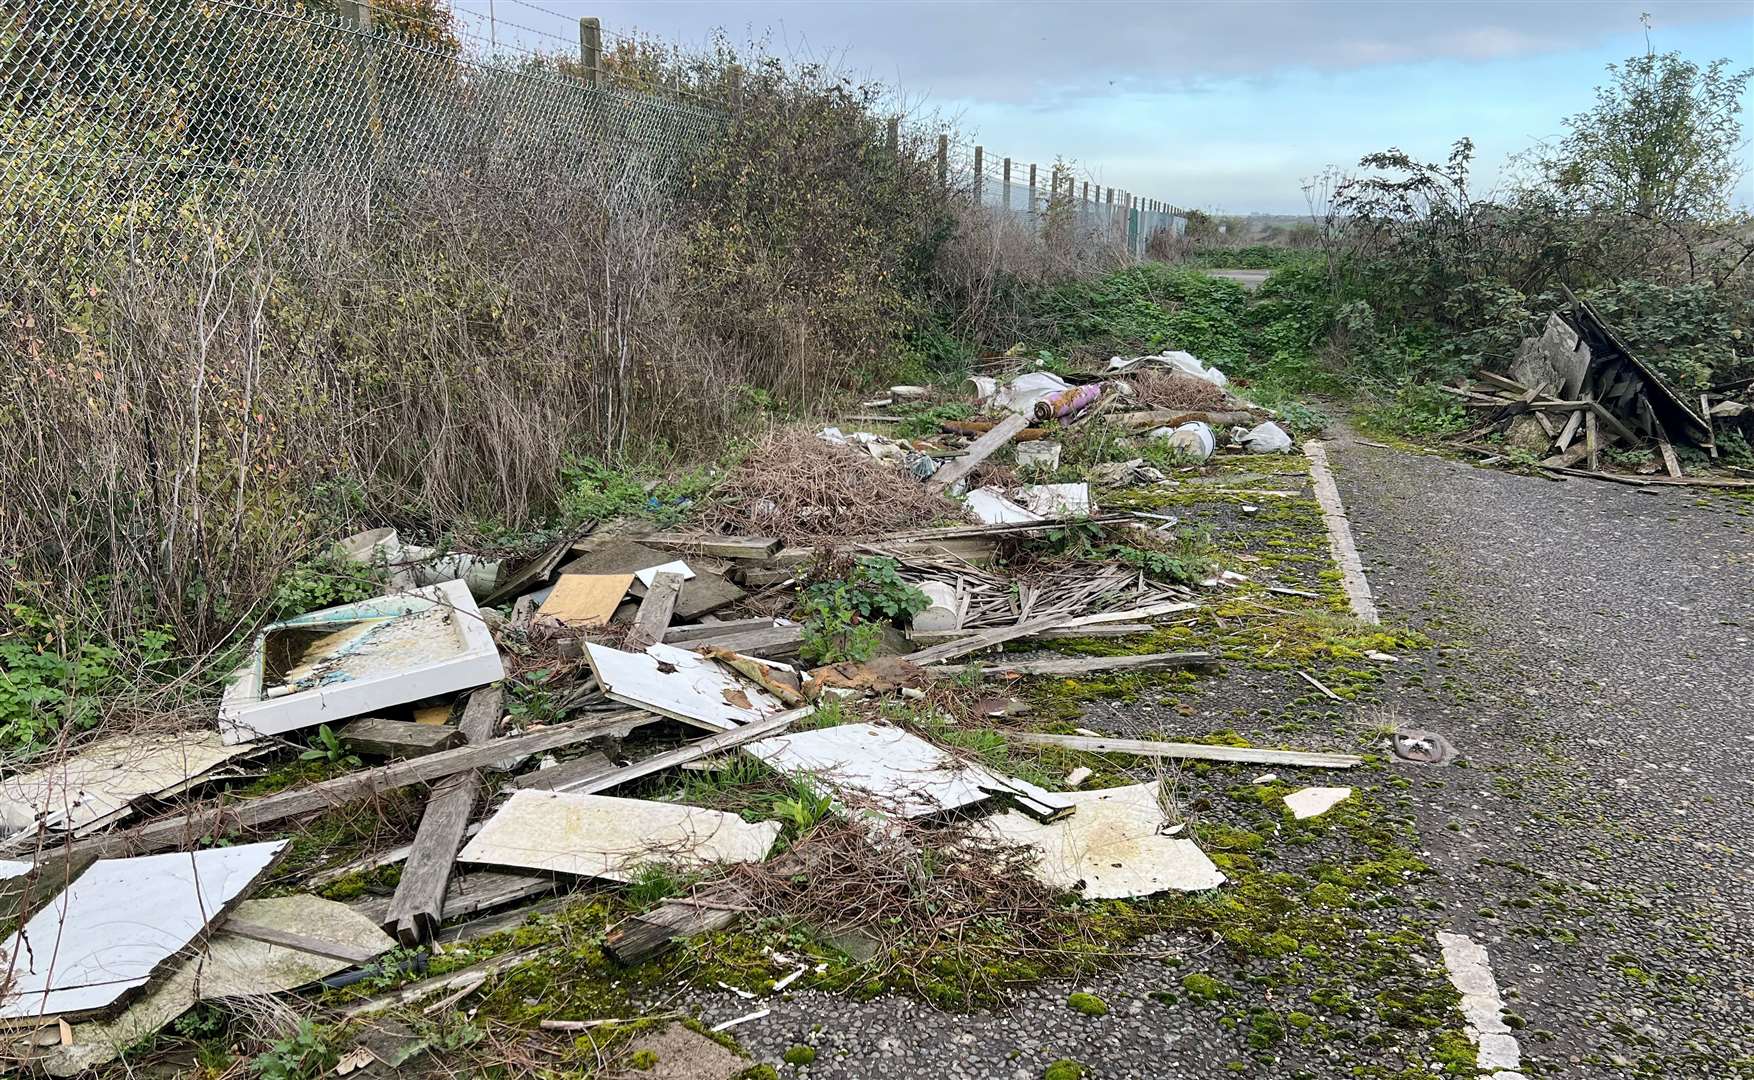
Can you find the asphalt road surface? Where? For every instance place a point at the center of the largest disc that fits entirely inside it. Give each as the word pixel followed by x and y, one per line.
pixel 1601 841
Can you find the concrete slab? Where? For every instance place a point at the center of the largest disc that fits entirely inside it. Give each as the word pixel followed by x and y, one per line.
pixel 680 684
pixel 1315 801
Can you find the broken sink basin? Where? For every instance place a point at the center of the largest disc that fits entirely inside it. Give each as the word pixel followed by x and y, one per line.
pixel 353 659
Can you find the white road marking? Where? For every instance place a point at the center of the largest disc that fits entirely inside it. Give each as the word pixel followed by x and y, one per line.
pixel 1470 970
pixel 1340 534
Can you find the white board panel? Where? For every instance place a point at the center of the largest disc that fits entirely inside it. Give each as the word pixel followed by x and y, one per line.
pixel 1113 847
pixel 122 918
pixel 899 772
pixel 604 837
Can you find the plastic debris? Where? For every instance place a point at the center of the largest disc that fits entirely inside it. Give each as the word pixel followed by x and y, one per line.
pixel 1265 438
pixel 1195 439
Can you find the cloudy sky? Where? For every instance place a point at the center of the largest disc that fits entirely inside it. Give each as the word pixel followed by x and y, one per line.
pixel 1226 106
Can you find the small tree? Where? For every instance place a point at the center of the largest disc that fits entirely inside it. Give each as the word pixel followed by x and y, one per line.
pixel 1663 141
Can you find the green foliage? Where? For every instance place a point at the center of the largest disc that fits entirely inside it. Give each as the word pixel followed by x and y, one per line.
pixel 325 745
pixel 1663 140
pixel 846 599
pixel 595 491
pixel 46 682
pixel 1063 1069
pixel 1694 334
pixel 1418 409
pixel 537 697
pixel 799 1054
pixel 645 1060
pixel 1253 257
pixel 804 808
pixel 324 582
pixel 304 1055
pixel 1149 307
pixel 926 421
pixel 654 883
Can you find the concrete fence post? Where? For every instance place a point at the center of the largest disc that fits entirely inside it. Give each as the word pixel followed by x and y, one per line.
pixel 944 161
pixel 1007 183
pixel 591 50
pixel 1032 189
pixel 980 167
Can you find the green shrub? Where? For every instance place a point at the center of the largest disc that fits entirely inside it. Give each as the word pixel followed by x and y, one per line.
pixel 846 600
pixel 799 1054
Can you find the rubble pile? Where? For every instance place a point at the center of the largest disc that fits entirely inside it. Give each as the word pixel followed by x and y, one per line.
pixel 515 695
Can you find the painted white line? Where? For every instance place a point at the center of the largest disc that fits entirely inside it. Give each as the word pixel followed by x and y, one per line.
pixel 1470 970
pixel 1340 534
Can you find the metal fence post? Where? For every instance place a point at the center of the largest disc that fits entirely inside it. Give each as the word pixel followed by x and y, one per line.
pixel 591 50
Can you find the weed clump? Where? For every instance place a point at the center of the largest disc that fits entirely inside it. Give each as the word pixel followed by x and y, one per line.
pixel 799 1054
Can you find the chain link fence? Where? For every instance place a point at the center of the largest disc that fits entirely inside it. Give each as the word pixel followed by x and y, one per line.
pixel 119 119
pixel 123 120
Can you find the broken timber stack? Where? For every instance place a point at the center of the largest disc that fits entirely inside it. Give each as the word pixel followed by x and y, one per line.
pixel 1577 391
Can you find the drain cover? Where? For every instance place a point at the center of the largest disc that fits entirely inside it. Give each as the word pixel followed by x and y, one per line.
pixel 1424 747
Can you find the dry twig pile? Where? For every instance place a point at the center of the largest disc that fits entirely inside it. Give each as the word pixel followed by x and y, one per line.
pixel 801 489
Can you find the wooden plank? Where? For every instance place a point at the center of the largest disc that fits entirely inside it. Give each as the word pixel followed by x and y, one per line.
pixel 1640 481
pixel 700 748
pixel 1199 751
pixel 583 767
pixel 1569 431
pixel 1502 381
pixel 1671 464
pixel 773 641
pixel 379 737
pixel 676 635
pixel 1592 441
pixel 654 611
pixel 641 937
pixel 718 547
pixel 533 575
pixel 1614 424
pixel 1082 665
pixel 215 819
pixel 585 599
pixel 438 984
pixel 1058 633
pixel 978 451
pixel 470 893
pixel 1710 432
pixel 286 939
pixel 986 639
pixel 1572 456
pixel 417 910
